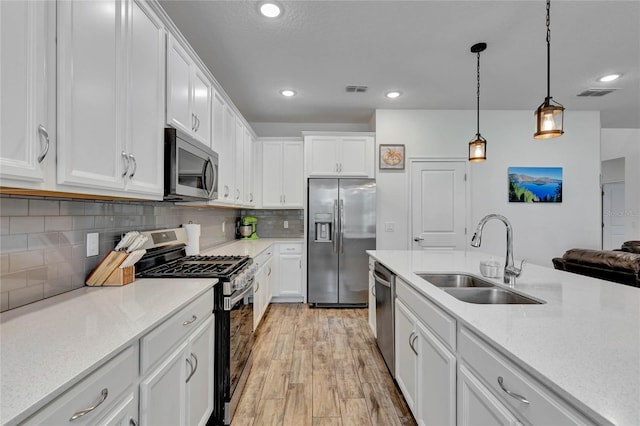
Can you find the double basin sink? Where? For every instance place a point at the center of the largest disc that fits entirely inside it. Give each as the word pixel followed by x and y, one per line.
pixel 471 289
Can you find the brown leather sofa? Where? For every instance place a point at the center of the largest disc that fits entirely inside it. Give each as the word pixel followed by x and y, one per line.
pixel 621 266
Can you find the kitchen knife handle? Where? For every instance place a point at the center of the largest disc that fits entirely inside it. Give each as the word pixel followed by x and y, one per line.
pixel 103 398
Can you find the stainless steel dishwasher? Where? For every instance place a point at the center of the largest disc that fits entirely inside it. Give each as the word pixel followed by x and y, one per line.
pixel 385 314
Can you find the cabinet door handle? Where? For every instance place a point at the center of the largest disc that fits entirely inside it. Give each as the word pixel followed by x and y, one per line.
pixel 103 398
pixel 412 338
pixel 226 191
pixel 193 121
pixel 300 263
pixel 43 133
pixel 135 166
pixel 337 168
pixel 191 321
pixel 188 360
pixel 373 291
pixel 127 163
pixel 269 274
pixel 237 194
pixel 512 394
pixel 250 197
pixel 193 368
pixel 257 287
pixel 132 422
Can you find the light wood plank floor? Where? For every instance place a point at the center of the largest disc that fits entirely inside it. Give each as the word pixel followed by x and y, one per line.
pixel 317 367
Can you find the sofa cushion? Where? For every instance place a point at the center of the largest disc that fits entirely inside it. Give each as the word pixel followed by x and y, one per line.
pixel 609 259
pixel 631 246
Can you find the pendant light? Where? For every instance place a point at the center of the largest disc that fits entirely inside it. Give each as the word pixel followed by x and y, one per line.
pixel 478 146
pixel 549 115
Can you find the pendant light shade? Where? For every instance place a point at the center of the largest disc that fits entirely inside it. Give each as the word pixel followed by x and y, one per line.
pixel 478 146
pixel 550 114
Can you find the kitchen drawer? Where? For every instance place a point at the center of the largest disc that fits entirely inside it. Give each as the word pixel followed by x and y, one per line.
pixel 544 407
pixel 263 257
pixel 161 339
pixel 441 323
pixel 290 248
pixel 107 383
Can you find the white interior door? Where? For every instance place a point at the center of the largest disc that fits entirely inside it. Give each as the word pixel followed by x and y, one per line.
pixel 438 194
pixel 613 209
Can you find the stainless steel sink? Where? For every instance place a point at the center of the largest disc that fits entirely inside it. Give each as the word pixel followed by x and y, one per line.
pixel 472 289
pixel 490 296
pixel 455 280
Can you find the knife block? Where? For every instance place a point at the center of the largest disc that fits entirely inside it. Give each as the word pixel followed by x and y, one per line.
pixel 121 276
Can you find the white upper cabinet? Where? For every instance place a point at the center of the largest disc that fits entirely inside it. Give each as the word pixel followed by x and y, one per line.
pixel 27 85
pixel 282 174
pixel 249 168
pixel 189 94
pixel 238 181
pixel 110 86
pixel 226 152
pixel 340 155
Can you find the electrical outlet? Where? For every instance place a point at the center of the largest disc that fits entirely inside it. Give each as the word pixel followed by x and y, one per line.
pixel 223 226
pixel 93 244
pixel 286 224
pixel 389 226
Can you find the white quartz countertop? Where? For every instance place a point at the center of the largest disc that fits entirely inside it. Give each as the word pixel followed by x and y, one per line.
pixel 251 248
pixel 584 342
pixel 48 346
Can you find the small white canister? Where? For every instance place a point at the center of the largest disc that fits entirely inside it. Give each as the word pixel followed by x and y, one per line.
pixel 490 268
pixel 193 235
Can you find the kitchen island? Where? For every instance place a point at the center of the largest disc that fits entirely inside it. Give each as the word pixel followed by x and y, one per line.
pixel 583 343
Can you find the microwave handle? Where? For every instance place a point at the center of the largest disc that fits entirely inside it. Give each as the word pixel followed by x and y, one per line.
pixel 208 164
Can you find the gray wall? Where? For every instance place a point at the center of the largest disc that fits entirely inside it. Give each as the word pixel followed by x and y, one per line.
pixel 43 240
pixel 271 223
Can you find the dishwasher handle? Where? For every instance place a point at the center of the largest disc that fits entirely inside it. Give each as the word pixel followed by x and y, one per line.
pixel 381 280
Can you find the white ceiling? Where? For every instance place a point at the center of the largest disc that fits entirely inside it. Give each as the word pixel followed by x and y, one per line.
pixel 420 48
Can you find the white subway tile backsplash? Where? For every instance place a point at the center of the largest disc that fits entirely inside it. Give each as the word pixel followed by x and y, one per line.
pixel 13 243
pixel 38 275
pixel 4 301
pixel 24 225
pixel 4 225
pixel 71 208
pixel 10 282
pixel 45 240
pixel 57 255
pixel 4 263
pixel 58 223
pixel 44 208
pixel 69 238
pixel 14 206
pixel 26 295
pixel 25 260
pixel 57 286
pixel 83 222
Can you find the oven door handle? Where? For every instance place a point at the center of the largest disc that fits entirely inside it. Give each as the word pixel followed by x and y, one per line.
pixel 236 299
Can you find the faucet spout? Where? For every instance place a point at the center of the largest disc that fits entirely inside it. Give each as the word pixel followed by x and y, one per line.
pixel 510 270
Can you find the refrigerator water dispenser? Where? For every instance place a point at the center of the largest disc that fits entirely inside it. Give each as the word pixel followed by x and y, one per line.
pixel 323 224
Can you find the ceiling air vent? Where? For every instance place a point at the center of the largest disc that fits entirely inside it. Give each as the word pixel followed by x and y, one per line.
pixel 596 92
pixel 356 89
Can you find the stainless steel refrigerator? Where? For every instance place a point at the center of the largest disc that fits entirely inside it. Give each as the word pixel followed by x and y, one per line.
pixel 341 227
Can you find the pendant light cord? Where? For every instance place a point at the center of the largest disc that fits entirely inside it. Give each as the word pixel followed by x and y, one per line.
pixel 548 50
pixel 478 99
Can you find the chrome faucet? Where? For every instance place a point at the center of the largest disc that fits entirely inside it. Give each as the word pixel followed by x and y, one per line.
pixel 510 271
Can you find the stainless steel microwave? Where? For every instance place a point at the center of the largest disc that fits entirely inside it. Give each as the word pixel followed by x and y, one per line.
pixel 190 168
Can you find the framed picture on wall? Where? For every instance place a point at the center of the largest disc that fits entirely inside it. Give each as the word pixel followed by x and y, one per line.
pixel 535 184
pixel 391 157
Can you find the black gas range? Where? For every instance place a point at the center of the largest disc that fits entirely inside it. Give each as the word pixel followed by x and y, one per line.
pixel 233 309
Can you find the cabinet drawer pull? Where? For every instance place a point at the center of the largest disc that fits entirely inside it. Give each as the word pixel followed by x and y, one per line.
pixel 43 133
pixel 191 321
pixel 193 368
pixel 412 338
pixel 78 414
pixel 512 394
pixel 127 163
pixel 135 166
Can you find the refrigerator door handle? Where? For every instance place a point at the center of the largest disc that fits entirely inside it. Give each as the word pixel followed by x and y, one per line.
pixel 341 226
pixel 335 226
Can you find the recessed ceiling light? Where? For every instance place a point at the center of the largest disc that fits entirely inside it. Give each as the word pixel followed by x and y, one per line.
pixel 270 9
pixel 288 93
pixel 609 77
pixel 393 95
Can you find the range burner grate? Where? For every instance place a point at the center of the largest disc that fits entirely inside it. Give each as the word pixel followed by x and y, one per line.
pixel 200 266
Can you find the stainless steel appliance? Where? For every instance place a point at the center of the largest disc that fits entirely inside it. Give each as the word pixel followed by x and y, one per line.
pixel 341 227
pixel 233 309
pixel 190 168
pixel 385 314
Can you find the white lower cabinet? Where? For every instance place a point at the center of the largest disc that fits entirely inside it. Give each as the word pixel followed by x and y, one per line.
pixel 262 285
pixel 96 395
pixel 287 280
pixel 125 413
pixel 180 390
pixel 477 406
pixel 425 370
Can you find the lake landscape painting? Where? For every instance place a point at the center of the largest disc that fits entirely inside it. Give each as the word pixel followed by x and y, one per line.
pixel 535 184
